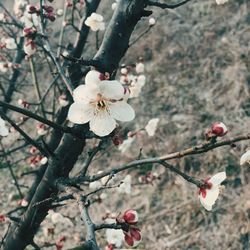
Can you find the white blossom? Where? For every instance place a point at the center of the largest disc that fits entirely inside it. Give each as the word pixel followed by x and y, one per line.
pixel 139 68
pixel 245 158
pixel 126 144
pixel 4 131
pixel 210 193
pixel 125 187
pixel 2 17
pixel 10 43
pixel 151 21
pixel 115 237
pixel 59 12
pixel 19 6
pixel 221 1
pixel 95 185
pixel 152 126
pixel 59 218
pixel 95 22
pixel 29 20
pixel 100 103
pixel 3 67
pixel 29 47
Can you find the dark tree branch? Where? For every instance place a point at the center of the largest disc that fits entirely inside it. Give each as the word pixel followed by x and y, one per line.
pixel 167 6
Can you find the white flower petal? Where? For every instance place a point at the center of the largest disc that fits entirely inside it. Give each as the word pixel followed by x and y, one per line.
pixel 102 123
pixel 112 90
pixel 211 196
pixel 245 158
pixel 122 111
pixel 85 93
pixel 217 179
pixel 92 77
pixel 80 113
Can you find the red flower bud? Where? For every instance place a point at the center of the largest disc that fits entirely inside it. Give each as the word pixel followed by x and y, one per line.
pixel 130 216
pixel 219 129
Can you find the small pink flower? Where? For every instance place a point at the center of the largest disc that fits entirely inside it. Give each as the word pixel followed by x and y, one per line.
pixel 41 129
pixel 130 216
pixel 33 150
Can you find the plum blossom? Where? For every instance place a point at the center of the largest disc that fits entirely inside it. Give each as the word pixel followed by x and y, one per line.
pixel 115 237
pixel 18 7
pixel 100 103
pixel 95 185
pixel 114 5
pixel 41 129
pixel 125 187
pixel 29 47
pixel 29 20
pixel 151 21
pixel 210 192
pixel 4 131
pixel 59 218
pixel 221 1
pixel 245 158
pixel 152 126
pixel 139 68
pixel 126 144
pixel 63 101
pixel 4 67
pixel 95 22
pixel 10 43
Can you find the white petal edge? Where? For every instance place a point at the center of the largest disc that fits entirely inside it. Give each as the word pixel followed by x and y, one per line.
pixel 112 90
pixel 80 113
pixel 218 178
pixel 122 111
pixel 102 123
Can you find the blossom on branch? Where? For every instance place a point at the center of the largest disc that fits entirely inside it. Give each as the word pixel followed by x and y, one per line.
pixel 4 131
pixel 209 193
pixel 95 22
pixel 245 158
pixel 100 103
pixel 152 126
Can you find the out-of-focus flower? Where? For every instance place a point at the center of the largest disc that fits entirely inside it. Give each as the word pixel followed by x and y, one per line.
pixel 100 103
pixel 59 12
pixel 63 101
pixel 152 126
pixel 2 218
pixel 125 187
pixel 245 158
pixel 29 47
pixel 221 1
pixel 4 67
pixel 139 68
pixel 210 192
pixel 2 17
pixel 95 22
pixel 23 203
pixel 114 5
pixel 114 237
pixel 4 131
pixel 10 43
pixel 151 21
pixel 23 103
pixel 59 218
pixel 19 6
pixel 41 129
pixel 126 144
pixel 29 20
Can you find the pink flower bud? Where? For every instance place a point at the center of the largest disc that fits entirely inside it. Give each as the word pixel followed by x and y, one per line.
pixel 117 140
pixel 133 236
pixel 219 129
pixel 130 216
pixel 48 9
pixel 2 218
pixel 32 9
pixel 33 150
